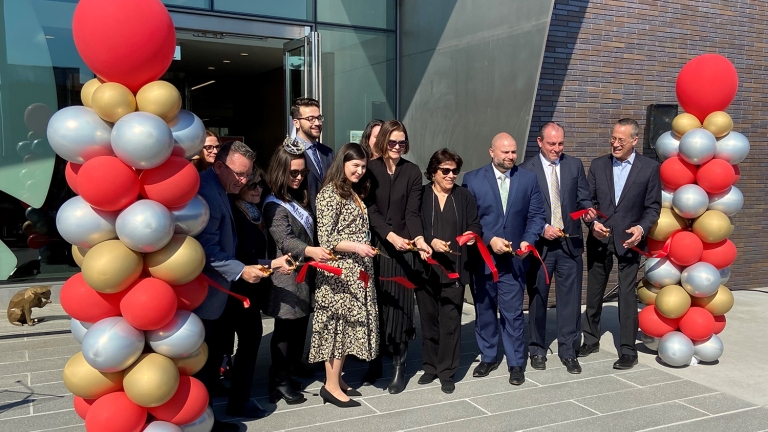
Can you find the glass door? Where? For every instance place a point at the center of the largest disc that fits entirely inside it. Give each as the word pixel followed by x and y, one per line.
pixel 302 72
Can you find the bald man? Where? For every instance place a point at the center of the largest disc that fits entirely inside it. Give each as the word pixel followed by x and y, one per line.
pixel 511 210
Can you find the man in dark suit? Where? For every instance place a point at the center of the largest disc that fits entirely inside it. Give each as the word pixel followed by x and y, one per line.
pixel 230 172
pixel 565 190
pixel 625 186
pixel 308 122
pixel 511 212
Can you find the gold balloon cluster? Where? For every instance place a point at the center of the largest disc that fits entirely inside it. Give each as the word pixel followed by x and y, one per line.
pixel 718 122
pixel 111 101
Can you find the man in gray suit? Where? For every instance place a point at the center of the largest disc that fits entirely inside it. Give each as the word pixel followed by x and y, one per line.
pixel 229 173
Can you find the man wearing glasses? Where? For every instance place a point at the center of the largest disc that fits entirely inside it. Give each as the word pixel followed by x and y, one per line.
pixel 625 187
pixel 309 125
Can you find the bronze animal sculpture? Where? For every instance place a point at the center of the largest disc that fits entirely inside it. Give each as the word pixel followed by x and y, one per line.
pixel 20 307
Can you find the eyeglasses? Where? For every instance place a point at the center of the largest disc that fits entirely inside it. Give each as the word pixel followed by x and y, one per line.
pixel 621 141
pixel 392 144
pixel 296 173
pixel 312 119
pixel 211 148
pixel 446 171
pixel 240 176
pixel 252 186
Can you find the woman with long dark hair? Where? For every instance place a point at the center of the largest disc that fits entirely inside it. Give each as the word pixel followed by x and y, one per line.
pixel 204 160
pixel 346 319
pixel 393 209
pixel 368 140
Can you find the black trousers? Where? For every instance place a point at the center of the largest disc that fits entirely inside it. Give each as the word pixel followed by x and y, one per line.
pixel 292 332
pixel 440 311
pixel 599 265
pixel 567 270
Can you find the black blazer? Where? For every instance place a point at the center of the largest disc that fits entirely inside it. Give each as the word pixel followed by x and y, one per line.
pixel 394 205
pixel 254 246
pixel 466 211
pixel 574 195
pixel 639 203
pixel 314 181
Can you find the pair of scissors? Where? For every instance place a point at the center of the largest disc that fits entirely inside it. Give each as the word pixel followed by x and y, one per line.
pixel 290 263
pixel 449 251
pixel 377 250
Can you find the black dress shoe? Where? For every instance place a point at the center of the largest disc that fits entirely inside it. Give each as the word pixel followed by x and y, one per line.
pixel 483 369
pixel 539 362
pixel 571 365
pixel 427 378
pixel 447 386
pixel 624 362
pixel 586 350
pixel 516 375
pixel 220 426
pixel 374 372
pixel 251 411
pixel 328 397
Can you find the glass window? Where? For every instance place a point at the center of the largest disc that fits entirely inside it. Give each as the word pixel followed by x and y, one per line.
pixel 358 70
pixel 365 13
pixel 202 4
pixel 292 9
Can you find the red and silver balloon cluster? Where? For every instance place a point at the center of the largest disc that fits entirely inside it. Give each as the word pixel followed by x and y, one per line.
pixel 131 228
pixel 684 288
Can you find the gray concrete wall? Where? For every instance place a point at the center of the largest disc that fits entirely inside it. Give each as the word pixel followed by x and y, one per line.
pixel 468 70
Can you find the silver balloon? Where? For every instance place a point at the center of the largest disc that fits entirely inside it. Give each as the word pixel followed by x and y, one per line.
pixel 675 349
pixel 652 343
pixel 24 148
pixel 725 274
pixel 690 201
pixel 708 350
pixel 77 134
pixel 666 198
pixel 192 217
pixel 161 426
pixel 667 145
pixel 79 328
pixel 732 148
pixel 180 337
pixel 662 272
pixel 145 226
pixel 701 279
pixel 112 345
pixel 697 146
pixel 142 140
pixel 729 202
pixel 84 226
pixel 204 423
pixel 188 134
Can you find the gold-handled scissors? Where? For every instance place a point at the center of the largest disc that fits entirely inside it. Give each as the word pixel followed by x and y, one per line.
pixel 264 269
pixel 562 233
pixel 449 251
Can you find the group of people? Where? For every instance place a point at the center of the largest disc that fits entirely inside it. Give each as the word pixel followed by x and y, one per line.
pixel 356 242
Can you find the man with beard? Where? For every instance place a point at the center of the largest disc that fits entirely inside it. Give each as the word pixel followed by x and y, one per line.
pixel 512 214
pixel 309 125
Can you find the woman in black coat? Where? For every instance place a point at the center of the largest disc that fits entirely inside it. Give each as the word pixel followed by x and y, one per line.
pixel 447 211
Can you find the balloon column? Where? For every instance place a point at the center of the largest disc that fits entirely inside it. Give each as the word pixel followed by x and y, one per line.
pixel 131 227
pixel 684 292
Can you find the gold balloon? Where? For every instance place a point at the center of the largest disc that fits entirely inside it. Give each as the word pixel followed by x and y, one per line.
pixel 87 91
pixel 112 101
pixel 646 292
pixel 673 301
pixel 83 380
pixel 683 123
pixel 192 363
pixel 78 253
pixel 151 381
pixel 179 262
pixel 719 123
pixel 718 303
pixel 713 226
pixel 28 228
pixel 111 267
pixel 668 223
pixel 160 98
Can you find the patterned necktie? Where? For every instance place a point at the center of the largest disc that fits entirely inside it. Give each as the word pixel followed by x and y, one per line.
pixel 504 192
pixel 316 160
pixel 554 194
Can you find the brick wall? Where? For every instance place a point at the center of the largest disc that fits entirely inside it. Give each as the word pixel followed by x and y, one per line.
pixel 607 59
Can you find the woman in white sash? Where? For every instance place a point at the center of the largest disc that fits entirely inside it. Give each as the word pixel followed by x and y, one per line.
pixel 292 226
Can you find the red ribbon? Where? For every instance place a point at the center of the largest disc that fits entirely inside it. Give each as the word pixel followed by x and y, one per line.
pixel 665 250
pixel 364 277
pixel 325 267
pixel 244 299
pixel 577 214
pixel 535 253
pixel 463 239
pixel 400 280
pixel 430 260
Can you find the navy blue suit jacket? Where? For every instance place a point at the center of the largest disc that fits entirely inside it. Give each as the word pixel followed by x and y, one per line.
pixel 314 181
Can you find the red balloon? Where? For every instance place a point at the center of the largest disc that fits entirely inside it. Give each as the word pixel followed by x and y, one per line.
pixel 82 303
pixel 715 176
pixel 736 173
pixel 706 84
pixel 131 42
pixel 70 172
pixel 719 324
pixel 187 404
pixel 172 184
pixel 676 172
pixel 698 324
pixel 82 406
pixel 654 246
pixel 720 254
pixel 149 304
pixel 191 294
pixel 106 183
pixel 655 324
pixel 685 248
pixel 114 412
pixel 37 241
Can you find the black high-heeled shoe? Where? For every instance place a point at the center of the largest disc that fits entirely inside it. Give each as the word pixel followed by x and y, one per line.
pixel 280 388
pixel 328 397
